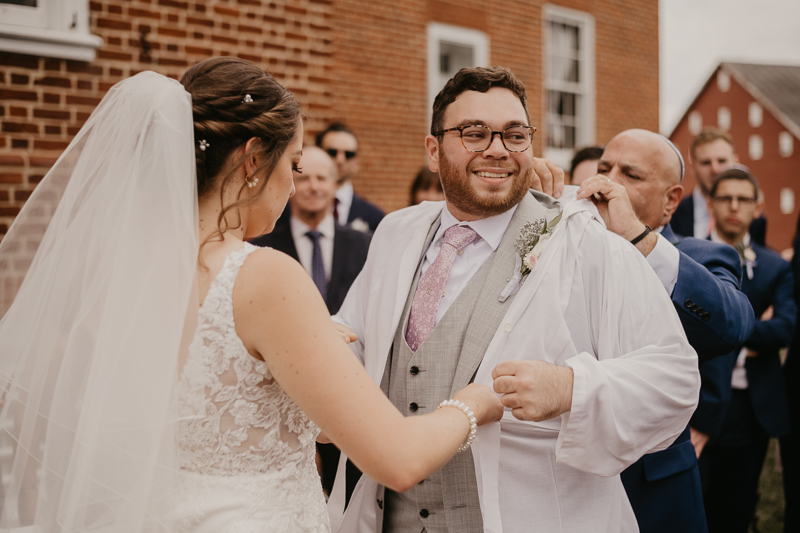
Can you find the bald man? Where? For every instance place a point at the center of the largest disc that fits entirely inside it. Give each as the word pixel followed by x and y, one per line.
pixel 636 191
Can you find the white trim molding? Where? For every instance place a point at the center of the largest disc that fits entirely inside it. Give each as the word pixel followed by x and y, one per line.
pixel 439 34
pixel 52 28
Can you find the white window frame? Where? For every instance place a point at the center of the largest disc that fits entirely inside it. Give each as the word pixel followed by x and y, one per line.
pixel 438 33
pixel 586 134
pixel 54 28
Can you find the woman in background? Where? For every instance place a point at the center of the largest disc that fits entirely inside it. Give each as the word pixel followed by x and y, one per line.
pixel 426 187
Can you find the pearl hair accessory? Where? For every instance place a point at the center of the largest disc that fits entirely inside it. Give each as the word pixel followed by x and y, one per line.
pixel 473 423
pixel 249 183
pixel 247 99
pixel 203 145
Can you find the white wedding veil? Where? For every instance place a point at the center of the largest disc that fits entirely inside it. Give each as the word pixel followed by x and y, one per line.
pixel 96 278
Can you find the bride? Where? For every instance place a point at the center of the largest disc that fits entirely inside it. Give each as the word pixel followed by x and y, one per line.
pixel 159 373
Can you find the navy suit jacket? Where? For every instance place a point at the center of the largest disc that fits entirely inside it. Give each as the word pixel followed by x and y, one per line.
pixel 349 255
pixel 791 367
pixel 362 209
pixel 772 285
pixel 683 222
pixel 715 315
pixel 664 487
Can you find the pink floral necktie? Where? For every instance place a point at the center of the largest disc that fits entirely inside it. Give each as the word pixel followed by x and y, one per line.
pixel 431 287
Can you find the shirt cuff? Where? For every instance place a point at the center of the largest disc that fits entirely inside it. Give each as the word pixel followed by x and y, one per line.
pixel 665 262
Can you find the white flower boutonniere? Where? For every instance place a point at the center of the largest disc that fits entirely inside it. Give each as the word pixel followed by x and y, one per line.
pixel 532 241
pixel 359 224
pixel 530 244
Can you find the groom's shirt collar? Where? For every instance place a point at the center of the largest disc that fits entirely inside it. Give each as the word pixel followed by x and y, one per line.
pixel 489 229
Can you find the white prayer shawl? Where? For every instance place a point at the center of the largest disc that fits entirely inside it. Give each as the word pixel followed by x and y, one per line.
pixel 592 303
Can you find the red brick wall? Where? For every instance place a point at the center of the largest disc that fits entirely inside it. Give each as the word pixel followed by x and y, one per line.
pixel 773 171
pixel 363 61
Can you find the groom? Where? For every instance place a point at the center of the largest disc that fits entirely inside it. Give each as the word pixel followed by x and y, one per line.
pixel 440 302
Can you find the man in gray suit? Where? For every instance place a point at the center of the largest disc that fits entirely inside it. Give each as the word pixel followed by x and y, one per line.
pixel 450 290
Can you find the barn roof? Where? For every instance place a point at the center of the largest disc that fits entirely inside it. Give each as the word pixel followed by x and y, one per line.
pixel 775 87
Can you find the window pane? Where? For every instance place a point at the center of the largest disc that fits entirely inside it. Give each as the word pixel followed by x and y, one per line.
pixel 573 72
pixel 27 3
pixel 569 137
pixel 453 57
pixel 567 106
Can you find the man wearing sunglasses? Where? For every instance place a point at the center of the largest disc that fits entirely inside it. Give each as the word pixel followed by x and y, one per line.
pixel 349 209
pixel 506 286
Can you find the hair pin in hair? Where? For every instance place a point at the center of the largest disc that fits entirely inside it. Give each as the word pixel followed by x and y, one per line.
pixel 247 99
pixel 203 145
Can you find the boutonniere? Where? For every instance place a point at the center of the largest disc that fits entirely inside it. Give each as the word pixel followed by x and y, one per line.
pixel 359 224
pixel 532 241
pixel 530 244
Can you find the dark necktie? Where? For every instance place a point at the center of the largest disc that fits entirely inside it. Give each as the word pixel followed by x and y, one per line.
pixel 336 210
pixel 317 267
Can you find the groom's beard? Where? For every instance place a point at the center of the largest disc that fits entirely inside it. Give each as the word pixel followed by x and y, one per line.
pixel 460 192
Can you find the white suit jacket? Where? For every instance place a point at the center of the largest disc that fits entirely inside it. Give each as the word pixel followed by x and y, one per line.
pixel 592 303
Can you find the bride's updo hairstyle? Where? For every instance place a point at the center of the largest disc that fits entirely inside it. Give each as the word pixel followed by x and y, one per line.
pixel 226 118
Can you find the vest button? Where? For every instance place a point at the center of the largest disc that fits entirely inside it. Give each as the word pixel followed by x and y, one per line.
pixel 414 370
pixel 424 513
pixel 413 407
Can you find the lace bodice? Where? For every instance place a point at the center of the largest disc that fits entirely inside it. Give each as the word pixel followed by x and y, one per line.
pixel 236 419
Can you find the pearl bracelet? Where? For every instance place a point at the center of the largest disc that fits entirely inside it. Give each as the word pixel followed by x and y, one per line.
pixel 473 423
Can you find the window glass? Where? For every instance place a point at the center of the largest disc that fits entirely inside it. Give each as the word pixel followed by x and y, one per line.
pixel 569 69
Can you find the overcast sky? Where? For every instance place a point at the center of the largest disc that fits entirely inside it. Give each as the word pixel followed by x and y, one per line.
pixel 696 35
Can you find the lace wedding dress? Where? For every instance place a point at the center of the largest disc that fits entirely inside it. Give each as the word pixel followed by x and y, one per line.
pixel 246 450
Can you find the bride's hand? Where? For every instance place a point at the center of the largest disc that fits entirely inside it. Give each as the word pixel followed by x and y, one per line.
pixel 347 334
pixel 483 401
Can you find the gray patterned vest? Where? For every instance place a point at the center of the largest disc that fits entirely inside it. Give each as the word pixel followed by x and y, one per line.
pixel 445 363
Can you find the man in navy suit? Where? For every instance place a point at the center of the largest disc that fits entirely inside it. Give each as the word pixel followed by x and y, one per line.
pixel 349 208
pixel 638 188
pixel 711 152
pixel 311 235
pixel 756 405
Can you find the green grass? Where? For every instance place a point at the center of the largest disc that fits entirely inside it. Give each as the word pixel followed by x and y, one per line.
pixel 769 511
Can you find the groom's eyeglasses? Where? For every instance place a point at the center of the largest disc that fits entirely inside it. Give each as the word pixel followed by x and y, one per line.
pixel 477 138
pixel 348 154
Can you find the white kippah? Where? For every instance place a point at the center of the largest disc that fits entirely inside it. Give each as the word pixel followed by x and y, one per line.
pixel 680 157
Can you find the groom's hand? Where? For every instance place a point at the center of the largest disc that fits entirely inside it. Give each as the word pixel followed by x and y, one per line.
pixel 534 390
pixel 347 334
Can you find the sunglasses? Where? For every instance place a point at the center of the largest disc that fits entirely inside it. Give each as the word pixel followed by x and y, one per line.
pixel 348 154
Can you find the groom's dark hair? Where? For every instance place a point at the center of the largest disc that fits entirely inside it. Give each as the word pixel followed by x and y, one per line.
pixel 479 79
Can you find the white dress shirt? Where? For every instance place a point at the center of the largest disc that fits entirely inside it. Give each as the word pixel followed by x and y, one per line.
pixel 665 260
pixel 345 196
pixel 305 246
pixel 469 260
pixel 701 215
pixel 739 376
